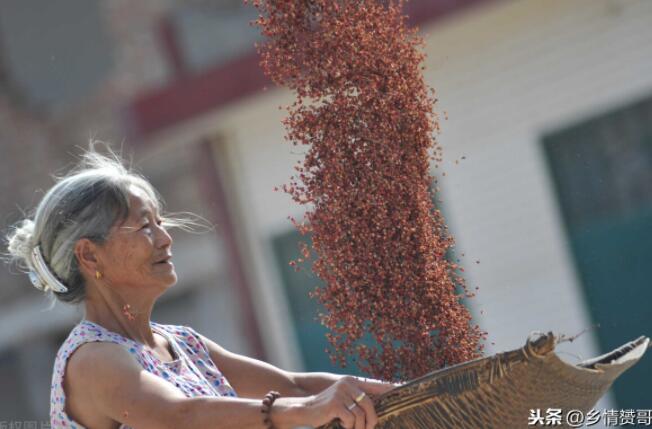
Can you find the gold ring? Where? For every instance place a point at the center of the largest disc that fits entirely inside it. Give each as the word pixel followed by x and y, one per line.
pixel 352 406
pixel 360 397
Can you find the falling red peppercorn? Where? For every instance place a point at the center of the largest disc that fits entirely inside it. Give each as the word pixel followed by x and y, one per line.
pixel 379 243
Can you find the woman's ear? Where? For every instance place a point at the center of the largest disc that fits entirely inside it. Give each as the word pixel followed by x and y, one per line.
pixel 87 258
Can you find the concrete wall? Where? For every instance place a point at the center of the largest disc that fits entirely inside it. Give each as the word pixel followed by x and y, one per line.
pixel 507 75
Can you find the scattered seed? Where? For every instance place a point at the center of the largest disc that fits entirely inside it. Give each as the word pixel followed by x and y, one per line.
pixel 365 116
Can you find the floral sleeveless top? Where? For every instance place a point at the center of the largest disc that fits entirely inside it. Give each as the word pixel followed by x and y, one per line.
pixel 193 372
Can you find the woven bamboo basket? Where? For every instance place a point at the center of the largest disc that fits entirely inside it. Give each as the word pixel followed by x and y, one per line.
pixel 499 391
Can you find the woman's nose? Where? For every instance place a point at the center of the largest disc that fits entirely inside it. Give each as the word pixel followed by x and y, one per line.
pixel 163 237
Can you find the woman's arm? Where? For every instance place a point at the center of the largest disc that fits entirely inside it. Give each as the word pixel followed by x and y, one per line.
pixel 314 382
pixel 112 385
pixel 253 378
pixel 110 382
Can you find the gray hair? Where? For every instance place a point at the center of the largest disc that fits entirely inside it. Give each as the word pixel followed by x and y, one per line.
pixel 85 203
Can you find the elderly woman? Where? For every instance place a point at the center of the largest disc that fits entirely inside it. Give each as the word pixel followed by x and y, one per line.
pixel 99 238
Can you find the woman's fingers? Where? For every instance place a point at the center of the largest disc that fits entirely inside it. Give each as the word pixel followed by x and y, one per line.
pixel 360 419
pixel 347 418
pixel 374 387
pixel 370 413
pixel 365 407
pixel 354 397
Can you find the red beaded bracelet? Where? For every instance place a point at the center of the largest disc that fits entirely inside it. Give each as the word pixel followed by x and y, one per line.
pixel 266 410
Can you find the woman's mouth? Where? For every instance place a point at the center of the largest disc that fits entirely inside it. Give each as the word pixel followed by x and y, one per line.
pixel 165 261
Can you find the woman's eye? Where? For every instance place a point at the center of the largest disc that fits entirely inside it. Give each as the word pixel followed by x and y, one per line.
pixel 145 226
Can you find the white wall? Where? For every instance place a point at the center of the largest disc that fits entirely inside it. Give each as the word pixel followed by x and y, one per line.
pixel 506 75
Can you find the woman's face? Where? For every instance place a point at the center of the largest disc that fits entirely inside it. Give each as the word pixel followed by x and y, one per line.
pixel 137 253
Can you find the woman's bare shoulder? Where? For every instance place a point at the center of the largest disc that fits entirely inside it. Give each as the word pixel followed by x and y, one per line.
pixel 103 356
pixel 106 384
pixel 90 368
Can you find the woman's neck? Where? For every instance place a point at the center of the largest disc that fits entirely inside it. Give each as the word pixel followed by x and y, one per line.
pixel 131 320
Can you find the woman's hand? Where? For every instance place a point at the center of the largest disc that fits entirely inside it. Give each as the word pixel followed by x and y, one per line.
pixel 349 399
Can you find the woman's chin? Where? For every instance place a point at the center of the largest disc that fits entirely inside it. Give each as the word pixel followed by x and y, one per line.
pixel 168 279
pixel 173 279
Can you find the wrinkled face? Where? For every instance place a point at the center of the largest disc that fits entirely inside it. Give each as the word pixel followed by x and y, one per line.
pixel 137 252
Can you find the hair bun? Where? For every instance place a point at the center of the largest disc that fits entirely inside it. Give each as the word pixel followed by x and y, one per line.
pixel 21 248
pixel 21 243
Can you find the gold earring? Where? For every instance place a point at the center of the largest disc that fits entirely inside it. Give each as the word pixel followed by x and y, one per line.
pixel 98 275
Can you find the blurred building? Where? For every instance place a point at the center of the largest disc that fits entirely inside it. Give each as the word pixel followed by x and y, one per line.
pixel 548 186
